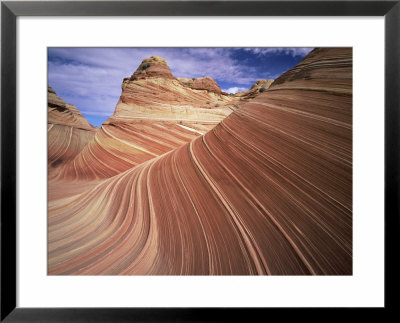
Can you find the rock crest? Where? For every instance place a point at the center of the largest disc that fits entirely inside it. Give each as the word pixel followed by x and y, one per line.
pixel 154 66
pixel 68 130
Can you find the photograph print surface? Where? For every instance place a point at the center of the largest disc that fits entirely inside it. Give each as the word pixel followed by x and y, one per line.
pixel 199 161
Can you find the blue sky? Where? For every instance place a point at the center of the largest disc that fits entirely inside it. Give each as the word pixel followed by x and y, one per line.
pixel 90 78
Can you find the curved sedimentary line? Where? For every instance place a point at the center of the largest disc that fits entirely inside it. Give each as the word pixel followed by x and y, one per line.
pixel 102 240
pixel 106 166
pixel 305 114
pixel 153 217
pixel 253 252
pixel 328 229
pixel 117 156
pixel 190 129
pixel 66 143
pixel 126 237
pixel 79 223
pixel 173 119
pixel 269 214
pixel 296 137
pixel 129 144
pixel 275 161
pixel 176 134
pixel 113 186
pixel 149 138
pixel 209 250
pixel 93 161
pixel 85 162
pixel 146 258
pixel 254 200
pixel 341 91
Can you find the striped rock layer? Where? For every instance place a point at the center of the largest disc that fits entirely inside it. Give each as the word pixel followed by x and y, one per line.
pixel 156 113
pixel 68 131
pixel 268 191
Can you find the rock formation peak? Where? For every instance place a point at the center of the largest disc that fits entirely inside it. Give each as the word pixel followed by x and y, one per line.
pixel 155 59
pixel 154 66
pixel 68 130
pixel 62 113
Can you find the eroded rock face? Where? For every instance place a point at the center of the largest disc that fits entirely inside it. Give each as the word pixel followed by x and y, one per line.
pixel 262 83
pixel 155 114
pixel 66 114
pixel 68 131
pixel 155 66
pixel 316 72
pixel 268 191
pixel 169 99
pixel 258 87
pixel 201 83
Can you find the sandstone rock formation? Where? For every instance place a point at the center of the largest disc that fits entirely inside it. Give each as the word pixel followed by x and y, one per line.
pixel 155 66
pixel 267 191
pixel 202 83
pixel 155 114
pixel 258 87
pixel 318 73
pixel 68 131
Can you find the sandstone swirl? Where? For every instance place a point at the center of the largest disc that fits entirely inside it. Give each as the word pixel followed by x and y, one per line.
pixel 267 191
pixel 155 114
pixel 68 131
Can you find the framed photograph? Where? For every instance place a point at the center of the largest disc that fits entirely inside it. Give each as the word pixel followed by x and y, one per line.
pixel 198 160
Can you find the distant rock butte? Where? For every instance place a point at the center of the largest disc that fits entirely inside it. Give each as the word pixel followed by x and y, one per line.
pixel 153 93
pixel 68 131
pixel 66 114
pixel 168 99
pixel 201 83
pixel 155 113
pixel 258 87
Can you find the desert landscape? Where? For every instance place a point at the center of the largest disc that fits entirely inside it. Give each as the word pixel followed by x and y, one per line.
pixel 187 179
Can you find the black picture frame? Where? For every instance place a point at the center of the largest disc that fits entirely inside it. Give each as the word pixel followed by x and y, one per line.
pixel 10 10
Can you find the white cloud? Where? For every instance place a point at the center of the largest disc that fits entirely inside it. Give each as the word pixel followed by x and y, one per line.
pixel 234 89
pixel 293 51
pixel 96 113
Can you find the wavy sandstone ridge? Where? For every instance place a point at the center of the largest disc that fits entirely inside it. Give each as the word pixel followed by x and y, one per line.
pixel 267 191
pixel 68 131
pixel 155 114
